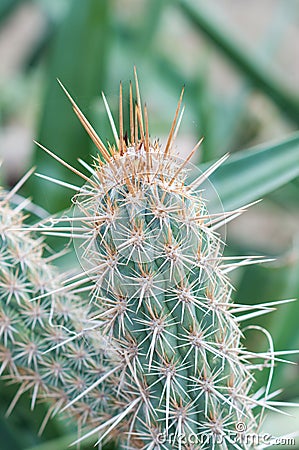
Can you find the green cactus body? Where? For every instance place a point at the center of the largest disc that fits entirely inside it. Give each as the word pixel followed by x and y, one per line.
pixel 158 283
pixel 166 302
pixel 46 345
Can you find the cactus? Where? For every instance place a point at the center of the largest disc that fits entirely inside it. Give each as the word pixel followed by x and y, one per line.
pixel 157 277
pixel 154 355
pixel 45 345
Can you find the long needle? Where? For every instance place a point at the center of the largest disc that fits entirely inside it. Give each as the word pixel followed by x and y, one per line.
pixel 139 102
pixel 170 137
pixel 88 127
pixel 121 124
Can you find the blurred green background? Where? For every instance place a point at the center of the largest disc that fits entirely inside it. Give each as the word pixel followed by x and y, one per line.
pixel 239 62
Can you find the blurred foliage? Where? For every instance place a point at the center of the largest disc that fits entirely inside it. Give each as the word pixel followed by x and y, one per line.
pixel 90 45
pixel 247 63
pixel 81 42
pixel 6 6
pixel 251 174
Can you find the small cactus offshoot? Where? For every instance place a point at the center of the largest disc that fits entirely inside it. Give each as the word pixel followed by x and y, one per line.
pixel 174 371
pixel 46 334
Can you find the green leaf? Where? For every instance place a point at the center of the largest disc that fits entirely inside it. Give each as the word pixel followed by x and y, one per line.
pixel 78 58
pixel 6 7
pixel 266 283
pixel 243 59
pixel 284 326
pixel 251 174
pixel 8 439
